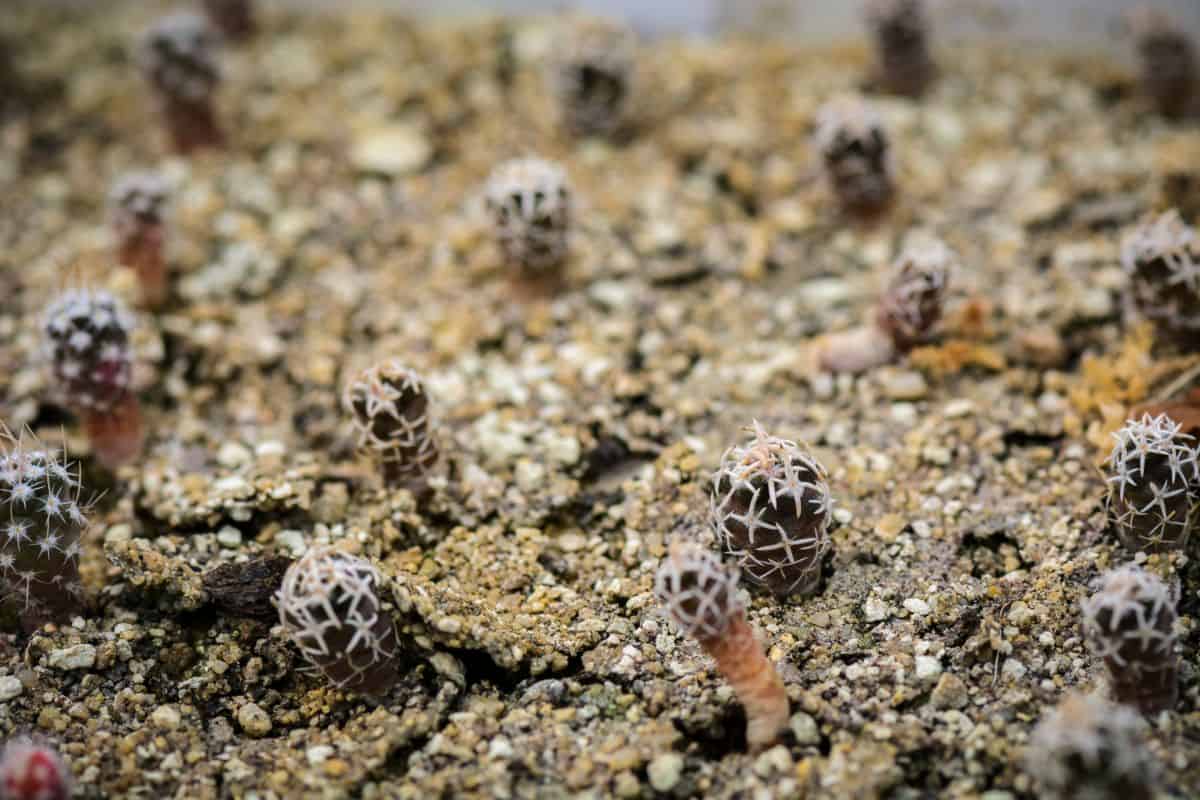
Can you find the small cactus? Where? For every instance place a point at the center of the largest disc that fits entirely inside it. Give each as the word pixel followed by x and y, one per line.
pixel 771 511
pixel 329 605
pixel 1169 64
pixel 1130 623
pixel 529 201
pixel 33 771
pixel 86 335
pixel 901 31
pixel 1088 749
pixel 42 516
pixel 908 309
pixel 912 303
pixel 1161 258
pixel 179 58
pixel 390 409
pixel 233 18
pixel 700 596
pixel 1153 484
pixel 856 153
pixel 592 74
pixel 138 201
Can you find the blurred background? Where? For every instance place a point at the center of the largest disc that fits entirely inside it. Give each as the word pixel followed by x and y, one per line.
pixel 1080 22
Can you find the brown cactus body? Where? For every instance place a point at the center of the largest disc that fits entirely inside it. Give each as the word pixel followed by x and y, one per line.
pixel 233 18
pixel 329 605
pixel 390 409
pixel 700 597
pixel 912 303
pixel 1130 624
pixel 529 201
pixel 1169 64
pixel 1161 258
pixel 592 73
pixel 138 202
pixel 179 58
pixel 42 516
pixel 86 335
pixel 856 153
pixel 1153 484
pixel 901 31
pixel 1088 749
pixel 771 510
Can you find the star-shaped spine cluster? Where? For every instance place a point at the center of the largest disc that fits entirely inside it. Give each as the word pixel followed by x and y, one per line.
pixel 1161 258
pixel 697 591
pixel 1130 624
pixel 912 303
pixel 592 71
pixel 1153 475
pixel 42 515
pixel 390 409
pixel 856 153
pixel 1088 748
pixel 529 201
pixel 771 511
pixel 329 605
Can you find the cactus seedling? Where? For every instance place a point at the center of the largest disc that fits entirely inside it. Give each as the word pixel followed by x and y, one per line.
pixel 233 18
pixel 1089 748
pixel 329 605
pixel 138 201
pixel 901 32
pixel 771 510
pixel 856 153
pixel 592 74
pixel 179 59
pixel 699 594
pixel 904 315
pixel 1153 484
pixel 32 771
pixel 530 205
pixel 1169 64
pixel 86 334
pixel 390 409
pixel 1130 624
pixel 1161 258
pixel 42 516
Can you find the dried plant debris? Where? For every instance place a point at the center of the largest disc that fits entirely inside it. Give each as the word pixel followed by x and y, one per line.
pixel 503 587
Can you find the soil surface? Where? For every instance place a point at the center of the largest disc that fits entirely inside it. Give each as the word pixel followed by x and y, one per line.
pixel 343 225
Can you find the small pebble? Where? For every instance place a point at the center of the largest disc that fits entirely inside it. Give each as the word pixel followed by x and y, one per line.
pixel 664 771
pixel 253 720
pixel 80 656
pixel 10 687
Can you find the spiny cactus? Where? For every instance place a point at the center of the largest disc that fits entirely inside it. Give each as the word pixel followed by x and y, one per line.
pixel 529 201
pixel 86 337
pixel 1153 484
pixel 907 310
pixel 1161 258
pixel 42 515
pixel 1169 64
pixel 30 770
pixel 233 18
pixel 138 201
pixel 179 58
pixel 856 153
pixel 912 303
pixel 390 409
pixel 329 605
pixel 901 31
pixel 1089 749
pixel 1130 623
pixel 700 596
pixel 771 510
pixel 592 74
